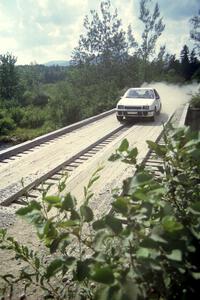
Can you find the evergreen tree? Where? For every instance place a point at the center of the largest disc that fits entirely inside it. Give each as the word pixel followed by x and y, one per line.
pixel 185 63
pixel 194 66
pixel 194 63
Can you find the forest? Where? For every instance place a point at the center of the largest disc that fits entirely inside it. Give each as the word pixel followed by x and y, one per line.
pixel 36 99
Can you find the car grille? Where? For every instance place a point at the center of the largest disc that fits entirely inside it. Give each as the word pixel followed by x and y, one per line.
pixel 133 107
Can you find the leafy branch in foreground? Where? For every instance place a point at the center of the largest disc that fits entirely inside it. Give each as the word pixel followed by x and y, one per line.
pixel 147 248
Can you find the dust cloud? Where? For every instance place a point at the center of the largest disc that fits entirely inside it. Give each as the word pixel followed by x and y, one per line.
pixel 173 96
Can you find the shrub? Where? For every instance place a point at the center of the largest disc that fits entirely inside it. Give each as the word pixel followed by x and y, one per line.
pixel 147 247
pixel 6 125
pixel 40 99
pixel 17 114
pixel 195 101
pixel 33 118
pixel 27 98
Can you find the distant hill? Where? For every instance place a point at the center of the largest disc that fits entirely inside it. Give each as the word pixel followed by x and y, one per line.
pixel 63 63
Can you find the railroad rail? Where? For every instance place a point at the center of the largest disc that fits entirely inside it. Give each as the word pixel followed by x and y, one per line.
pixel 26 146
pixel 151 161
pixel 33 189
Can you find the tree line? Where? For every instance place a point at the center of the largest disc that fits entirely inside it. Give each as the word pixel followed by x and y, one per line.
pixel 35 99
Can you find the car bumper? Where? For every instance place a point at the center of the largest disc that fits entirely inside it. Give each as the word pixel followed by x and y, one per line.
pixel 132 114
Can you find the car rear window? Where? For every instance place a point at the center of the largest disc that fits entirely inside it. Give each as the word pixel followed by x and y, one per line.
pixel 144 93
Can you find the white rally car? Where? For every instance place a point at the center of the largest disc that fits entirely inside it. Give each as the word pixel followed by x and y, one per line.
pixel 138 102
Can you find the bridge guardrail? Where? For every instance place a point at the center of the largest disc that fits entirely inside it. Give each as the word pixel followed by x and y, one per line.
pixel 49 136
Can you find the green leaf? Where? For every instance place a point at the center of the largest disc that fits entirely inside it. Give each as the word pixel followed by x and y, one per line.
pixel 40 229
pixel 114 156
pixel 70 260
pixel 160 150
pixel 82 270
pixel 100 239
pixel 86 213
pixel 132 154
pixel 99 224
pixel 88 197
pixel 94 177
pixel 114 224
pixel 54 267
pixel 196 275
pixel 124 146
pixel 103 275
pixel 37 262
pixel 68 223
pixel 139 180
pixel 68 202
pixel 176 255
pixel 56 242
pixel 157 238
pixel 29 208
pixel 92 180
pixel 143 252
pixel 53 200
pixel 46 231
pixel 74 215
pixel 170 224
pixel 195 208
pixel 121 205
pixel 3 232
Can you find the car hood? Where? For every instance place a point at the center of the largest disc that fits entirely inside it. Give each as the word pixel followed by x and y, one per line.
pixel 135 102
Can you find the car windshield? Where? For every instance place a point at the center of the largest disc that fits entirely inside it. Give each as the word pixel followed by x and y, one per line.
pixel 139 93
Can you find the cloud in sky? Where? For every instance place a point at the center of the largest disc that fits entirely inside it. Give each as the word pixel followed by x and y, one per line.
pixel 43 30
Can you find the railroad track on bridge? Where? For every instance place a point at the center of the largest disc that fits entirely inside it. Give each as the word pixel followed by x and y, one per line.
pixel 25 147
pixel 35 188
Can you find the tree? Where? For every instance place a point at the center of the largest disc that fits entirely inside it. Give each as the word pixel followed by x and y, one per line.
pixel 185 63
pixel 104 40
pixel 194 63
pixel 195 32
pixel 153 28
pixel 132 43
pixel 8 76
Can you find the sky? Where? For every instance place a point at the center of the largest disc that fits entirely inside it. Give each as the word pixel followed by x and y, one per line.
pixel 38 31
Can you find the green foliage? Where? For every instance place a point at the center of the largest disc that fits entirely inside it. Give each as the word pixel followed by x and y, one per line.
pixel 146 248
pixel 195 101
pixel 33 117
pixel 195 31
pixel 126 155
pixel 153 28
pixel 40 99
pixel 37 99
pixel 8 76
pixel 104 40
pixel 6 125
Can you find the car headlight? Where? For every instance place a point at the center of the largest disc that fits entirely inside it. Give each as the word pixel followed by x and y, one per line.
pixel 120 106
pixel 146 107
